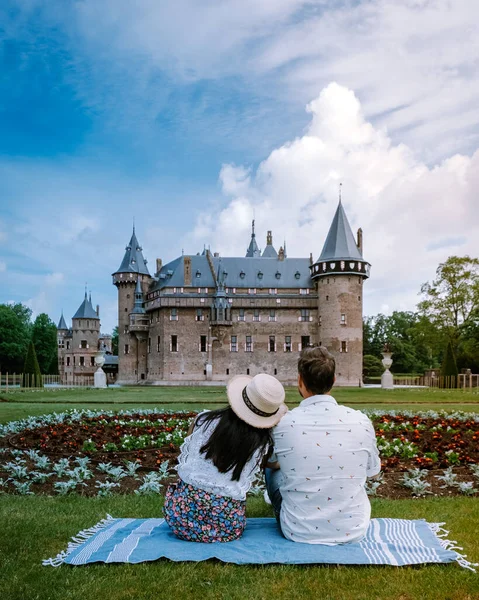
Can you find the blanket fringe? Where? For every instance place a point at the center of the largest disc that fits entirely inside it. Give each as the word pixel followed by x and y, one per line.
pixel 77 541
pixel 441 534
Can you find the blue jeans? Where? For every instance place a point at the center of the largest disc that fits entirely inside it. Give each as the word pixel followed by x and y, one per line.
pixel 274 479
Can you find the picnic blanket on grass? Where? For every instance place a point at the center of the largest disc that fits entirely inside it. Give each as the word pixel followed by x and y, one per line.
pixel 395 542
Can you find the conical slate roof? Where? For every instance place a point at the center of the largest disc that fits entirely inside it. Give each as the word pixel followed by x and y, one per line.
pixel 133 261
pixel 253 250
pixel 86 310
pixel 62 323
pixel 340 243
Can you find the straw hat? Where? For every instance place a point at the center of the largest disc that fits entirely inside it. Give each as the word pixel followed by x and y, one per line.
pixel 258 400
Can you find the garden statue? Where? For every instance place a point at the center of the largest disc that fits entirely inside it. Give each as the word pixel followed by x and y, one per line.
pixel 387 382
pixel 100 375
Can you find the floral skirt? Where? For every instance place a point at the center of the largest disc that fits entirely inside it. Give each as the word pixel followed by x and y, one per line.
pixel 198 516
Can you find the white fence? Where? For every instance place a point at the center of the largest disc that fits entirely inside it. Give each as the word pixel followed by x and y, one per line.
pixel 10 382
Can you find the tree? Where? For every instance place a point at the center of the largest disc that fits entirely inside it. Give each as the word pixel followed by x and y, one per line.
pixel 15 330
pixel 452 298
pixel 449 366
pixel 44 337
pixel 114 341
pixel 32 376
pixel 372 366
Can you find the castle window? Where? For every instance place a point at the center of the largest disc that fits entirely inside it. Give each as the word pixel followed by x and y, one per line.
pixel 272 315
pixel 247 371
pixel 227 371
pixel 234 344
pixel 199 290
pixel 320 320
pixel 241 315
pixel 68 345
pixel 327 298
pixel 128 296
pixel 174 343
pixel 343 319
pixel 272 344
pixel 174 314
pixel 68 361
pixel 158 344
pixel 157 316
pixel 202 343
pixel 256 315
pixel 198 273
pixel 199 314
pixel 273 290
pixel 344 346
pixel 297 275
pixel 305 342
pixel 251 290
pixel 127 349
pixel 83 344
pixel 242 274
pixel 276 371
pixel 149 345
pixel 359 298
pixel 248 347
pixel 277 275
pixel 92 361
pixel 126 310
pixel 287 343
pixel 304 292
pixel 82 361
pixel 260 275
pixel 304 315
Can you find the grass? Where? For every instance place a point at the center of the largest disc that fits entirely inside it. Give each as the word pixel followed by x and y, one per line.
pixel 37 528
pixel 34 528
pixel 16 405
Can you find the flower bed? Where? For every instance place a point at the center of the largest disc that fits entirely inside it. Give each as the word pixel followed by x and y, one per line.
pixel 98 453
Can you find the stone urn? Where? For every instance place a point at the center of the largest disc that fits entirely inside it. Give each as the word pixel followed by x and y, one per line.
pixel 387 382
pixel 100 375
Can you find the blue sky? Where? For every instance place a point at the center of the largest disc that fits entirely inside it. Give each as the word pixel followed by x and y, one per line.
pixel 191 116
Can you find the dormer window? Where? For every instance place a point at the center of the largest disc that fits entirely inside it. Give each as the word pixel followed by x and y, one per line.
pixel 297 275
pixel 242 274
pixel 198 273
pixel 260 274
pixel 278 275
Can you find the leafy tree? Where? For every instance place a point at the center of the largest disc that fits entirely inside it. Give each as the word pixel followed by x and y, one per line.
pixel 372 366
pixel 114 341
pixel 32 376
pixel 44 337
pixel 452 298
pixel 15 331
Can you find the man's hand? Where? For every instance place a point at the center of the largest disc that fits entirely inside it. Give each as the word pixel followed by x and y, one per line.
pixel 272 465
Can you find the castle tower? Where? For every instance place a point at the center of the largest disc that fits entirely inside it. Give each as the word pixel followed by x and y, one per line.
pixel 339 273
pixel 132 279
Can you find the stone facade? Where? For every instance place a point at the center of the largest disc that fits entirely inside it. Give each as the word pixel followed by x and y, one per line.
pixel 207 318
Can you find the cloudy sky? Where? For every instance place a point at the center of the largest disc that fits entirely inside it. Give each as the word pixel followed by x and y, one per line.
pixel 190 116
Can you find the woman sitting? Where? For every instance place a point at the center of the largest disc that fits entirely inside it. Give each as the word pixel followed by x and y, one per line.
pixel 220 459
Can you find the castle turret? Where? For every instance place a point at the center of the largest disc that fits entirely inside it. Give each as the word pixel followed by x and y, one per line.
pixel 339 273
pixel 62 332
pixel 132 280
pixel 253 250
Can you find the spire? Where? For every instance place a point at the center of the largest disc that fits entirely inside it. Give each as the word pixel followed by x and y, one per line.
pixel 269 251
pixel 138 308
pixel 62 323
pixel 284 248
pixel 253 250
pixel 340 243
pixel 86 310
pixel 133 261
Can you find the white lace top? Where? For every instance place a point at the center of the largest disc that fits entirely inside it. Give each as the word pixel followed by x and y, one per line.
pixel 195 469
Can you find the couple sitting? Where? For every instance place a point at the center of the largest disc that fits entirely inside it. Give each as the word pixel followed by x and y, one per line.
pixel 317 458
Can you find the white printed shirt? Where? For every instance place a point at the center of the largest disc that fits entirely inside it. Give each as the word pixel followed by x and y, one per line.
pixel 325 451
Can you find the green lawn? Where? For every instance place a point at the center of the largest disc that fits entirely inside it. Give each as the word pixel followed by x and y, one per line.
pixel 37 528
pixel 17 405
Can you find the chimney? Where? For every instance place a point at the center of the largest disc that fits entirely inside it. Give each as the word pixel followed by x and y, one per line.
pixel 187 270
pixel 269 238
pixel 159 264
pixel 216 254
pixel 360 241
pixel 310 258
pixel 97 310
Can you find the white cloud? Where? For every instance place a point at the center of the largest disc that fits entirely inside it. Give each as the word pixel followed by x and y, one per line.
pixel 412 215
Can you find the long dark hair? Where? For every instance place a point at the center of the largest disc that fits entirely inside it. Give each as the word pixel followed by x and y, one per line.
pixel 233 442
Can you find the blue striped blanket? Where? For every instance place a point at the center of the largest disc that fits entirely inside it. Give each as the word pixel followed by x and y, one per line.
pixel 388 542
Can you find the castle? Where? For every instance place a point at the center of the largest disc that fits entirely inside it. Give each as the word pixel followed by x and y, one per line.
pixel 78 345
pixel 206 318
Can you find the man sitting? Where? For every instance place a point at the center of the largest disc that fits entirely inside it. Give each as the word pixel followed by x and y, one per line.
pixel 323 454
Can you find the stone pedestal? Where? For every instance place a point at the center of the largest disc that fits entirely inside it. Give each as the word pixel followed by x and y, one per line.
pixel 100 378
pixel 209 371
pixel 387 382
